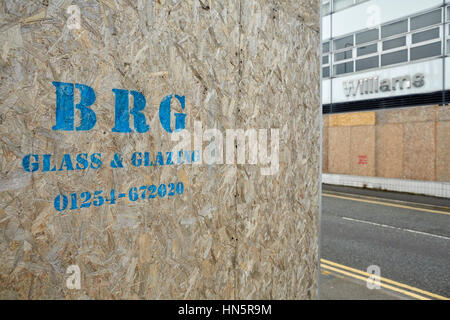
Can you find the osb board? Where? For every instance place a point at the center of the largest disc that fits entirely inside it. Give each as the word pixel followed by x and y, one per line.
pixel 362 151
pixel 325 143
pixel 352 119
pixel 325 120
pixel 389 151
pixel 233 233
pixel 339 150
pixel 325 146
pixel 419 151
pixel 443 151
pixel 407 115
pixel 443 113
pixel 279 48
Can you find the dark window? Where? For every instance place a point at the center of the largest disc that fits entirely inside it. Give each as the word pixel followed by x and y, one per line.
pixel 426 19
pixel 343 68
pixel 367 63
pixel 448 13
pixel 326 8
pixel 394 43
pixel 343 43
pixel 325 59
pixel 325 47
pixel 342 4
pixel 428 50
pixel 394 57
pixel 367 49
pixel 394 28
pixel 326 72
pixel 425 35
pixel 343 55
pixel 367 36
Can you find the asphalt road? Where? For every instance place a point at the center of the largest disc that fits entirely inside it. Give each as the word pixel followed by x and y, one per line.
pixel 407 236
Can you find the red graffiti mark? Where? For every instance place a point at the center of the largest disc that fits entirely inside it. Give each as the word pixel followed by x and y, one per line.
pixel 362 159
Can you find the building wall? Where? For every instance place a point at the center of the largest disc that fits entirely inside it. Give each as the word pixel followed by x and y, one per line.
pixel 405 143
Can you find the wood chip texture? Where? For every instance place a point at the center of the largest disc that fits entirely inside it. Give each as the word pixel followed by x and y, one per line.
pixel 234 233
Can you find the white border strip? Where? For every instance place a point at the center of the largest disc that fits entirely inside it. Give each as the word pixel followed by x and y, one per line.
pixel 430 188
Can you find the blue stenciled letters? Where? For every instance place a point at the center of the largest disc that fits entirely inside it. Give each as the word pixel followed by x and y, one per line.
pixel 65 110
pixel 65 107
pixel 122 116
pixel 88 118
pixel 164 114
pixel 34 165
pixel 32 162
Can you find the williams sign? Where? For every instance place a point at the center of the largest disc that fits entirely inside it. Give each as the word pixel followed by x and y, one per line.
pixel 373 85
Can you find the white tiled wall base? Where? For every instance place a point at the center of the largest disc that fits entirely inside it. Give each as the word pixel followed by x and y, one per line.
pixel 431 188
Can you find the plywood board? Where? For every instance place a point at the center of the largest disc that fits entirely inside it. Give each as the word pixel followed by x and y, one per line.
pixel 280 77
pixel 339 160
pixel 443 151
pixel 362 151
pixel 419 151
pixel 389 151
pixel 352 119
pixel 407 115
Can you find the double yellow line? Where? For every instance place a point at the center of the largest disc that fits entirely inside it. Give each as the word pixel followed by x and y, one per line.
pixel 384 203
pixel 385 283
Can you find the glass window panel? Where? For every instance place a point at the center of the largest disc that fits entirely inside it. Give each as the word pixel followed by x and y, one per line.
pixel 343 55
pixel 428 50
pixel 343 42
pixel 367 63
pixel 448 46
pixel 394 57
pixel 426 19
pixel 325 59
pixel 343 68
pixel 326 9
pixel 425 35
pixel 367 36
pixel 326 72
pixel 448 13
pixel 394 43
pixel 394 28
pixel 342 4
pixel 361 51
pixel 325 47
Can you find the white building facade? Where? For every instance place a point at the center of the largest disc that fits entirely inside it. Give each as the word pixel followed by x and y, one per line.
pixel 383 49
pixel 386 94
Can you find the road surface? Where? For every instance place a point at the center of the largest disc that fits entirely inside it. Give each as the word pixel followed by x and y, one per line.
pixel 407 236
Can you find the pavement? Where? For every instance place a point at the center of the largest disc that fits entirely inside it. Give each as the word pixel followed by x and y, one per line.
pixel 406 236
pixel 336 287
